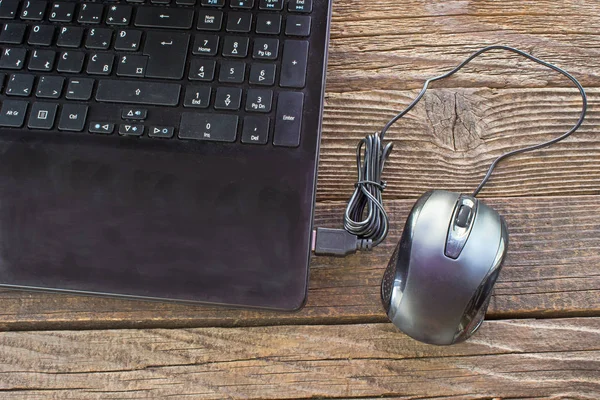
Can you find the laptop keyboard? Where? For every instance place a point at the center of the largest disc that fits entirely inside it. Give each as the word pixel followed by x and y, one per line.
pixel 202 70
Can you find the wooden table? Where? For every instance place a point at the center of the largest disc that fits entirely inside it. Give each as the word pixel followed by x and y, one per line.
pixel 542 337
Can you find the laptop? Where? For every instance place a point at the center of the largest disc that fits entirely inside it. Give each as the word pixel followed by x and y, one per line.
pixel 161 149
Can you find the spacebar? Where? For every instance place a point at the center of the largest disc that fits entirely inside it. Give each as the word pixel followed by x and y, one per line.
pixel 136 92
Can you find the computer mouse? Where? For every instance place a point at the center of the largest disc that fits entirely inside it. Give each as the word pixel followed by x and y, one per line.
pixel 438 283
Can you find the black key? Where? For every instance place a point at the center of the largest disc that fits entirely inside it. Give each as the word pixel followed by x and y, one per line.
pixel 228 98
pixel 202 70
pixel 214 127
pixel 167 52
pixel 98 38
pixel 122 91
pixel 12 113
pixel 131 130
pixel 118 15
pixel 50 87
pixel 41 35
pixel 209 20
pixel 8 9
pixel 162 17
pixel 69 36
pixel 72 117
pixel 104 128
pixel 235 46
pixel 232 72
pixel 42 116
pixel 134 113
pixel 71 61
pixel 239 22
pixel 163 132
pixel 288 121
pixel 2 76
pixel 246 4
pixel 13 33
pixel 160 1
pixel 62 12
pixel 90 13
pixel 206 44
pixel 273 5
pixel 268 24
pixel 133 65
pixel 301 6
pixel 197 96
pixel 262 74
pixel 256 129
pixel 213 3
pixel 185 2
pixel 19 85
pixel 294 63
pixel 100 64
pixel 41 60
pixel 33 10
pixel 266 49
pixel 128 40
pixel 297 25
pixel 13 58
pixel 80 89
pixel 259 100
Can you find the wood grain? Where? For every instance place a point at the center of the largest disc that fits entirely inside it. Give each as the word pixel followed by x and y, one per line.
pixel 525 358
pixel 388 45
pixel 450 139
pixel 552 269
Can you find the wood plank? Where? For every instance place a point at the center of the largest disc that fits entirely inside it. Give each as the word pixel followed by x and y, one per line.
pixel 450 139
pixel 552 269
pixel 520 358
pixel 382 45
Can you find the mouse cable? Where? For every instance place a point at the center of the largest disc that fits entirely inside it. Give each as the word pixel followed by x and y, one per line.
pixel 365 232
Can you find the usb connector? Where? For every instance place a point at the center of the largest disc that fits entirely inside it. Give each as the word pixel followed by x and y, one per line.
pixel 337 242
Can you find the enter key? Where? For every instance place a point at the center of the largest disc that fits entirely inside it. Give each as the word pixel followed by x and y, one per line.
pixel 167 52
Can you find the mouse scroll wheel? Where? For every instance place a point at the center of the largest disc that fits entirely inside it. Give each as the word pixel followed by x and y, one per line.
pixel 462 218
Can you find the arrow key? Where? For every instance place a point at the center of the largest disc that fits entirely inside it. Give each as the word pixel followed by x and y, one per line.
pixel 131 130
pixel 164 132
pixel 101 127
pixel 134 113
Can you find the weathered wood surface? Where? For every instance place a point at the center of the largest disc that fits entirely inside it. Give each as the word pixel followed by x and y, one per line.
pixel 553 268
pixel 388 45
pixel 450 139
pixel 524 358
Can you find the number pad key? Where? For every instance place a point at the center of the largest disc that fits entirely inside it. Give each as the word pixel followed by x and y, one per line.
pixel 205 45
pixel 268 24
pixel 259 100
pixel 239 22
pixel 228 99
pixel 197 96
pixel 262 74
pixel 232 72
pixel 266 49
pixel 210 20
pixel 235 47
pixel 202 70
pixel 256 129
